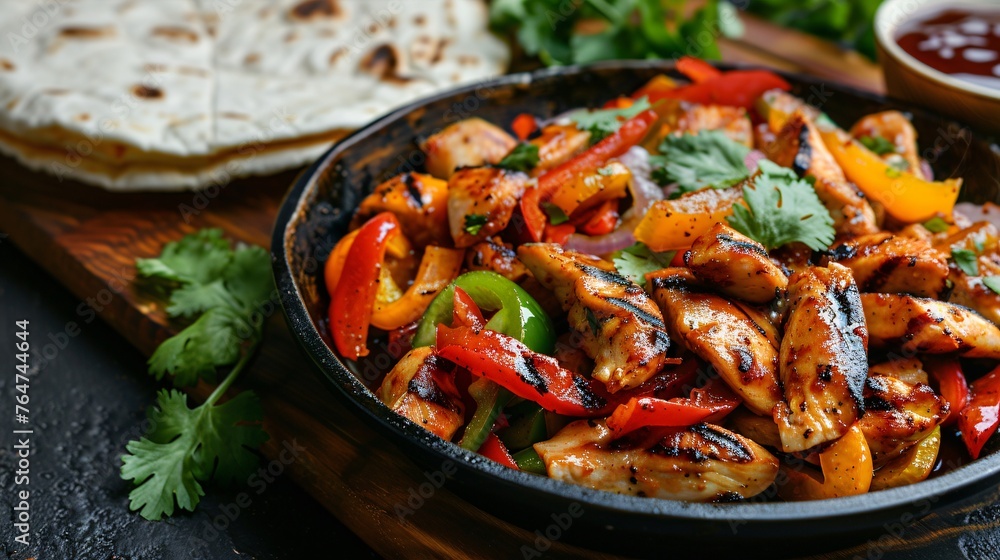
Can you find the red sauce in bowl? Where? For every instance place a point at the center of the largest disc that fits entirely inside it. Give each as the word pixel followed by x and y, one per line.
pixel 964 43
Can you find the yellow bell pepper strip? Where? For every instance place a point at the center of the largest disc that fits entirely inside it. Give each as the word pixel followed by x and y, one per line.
pixel 671 225
pixel 438 268
pixel 353 298
pixel 912 466
pixel 906 197
pixel 847 470
pixel 585 191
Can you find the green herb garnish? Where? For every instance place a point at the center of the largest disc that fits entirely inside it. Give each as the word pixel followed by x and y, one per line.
pixel 605 122
pixel 878 144
pixel 966 260
pixel 698 161
pixel 523 158
pixel 474 223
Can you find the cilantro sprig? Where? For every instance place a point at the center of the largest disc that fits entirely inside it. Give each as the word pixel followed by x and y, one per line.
pixel 699 161
pixel 967 261
pixel 878 144
pixel 219 290
pixel 636 261
pixel 602 123
pixel 560 32
pixel 523 158
pixel 781 209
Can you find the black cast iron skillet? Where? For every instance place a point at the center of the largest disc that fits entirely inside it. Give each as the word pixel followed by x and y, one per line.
pixel 319 206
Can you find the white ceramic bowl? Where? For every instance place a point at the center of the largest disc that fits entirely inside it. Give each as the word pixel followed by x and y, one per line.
pixel 909 79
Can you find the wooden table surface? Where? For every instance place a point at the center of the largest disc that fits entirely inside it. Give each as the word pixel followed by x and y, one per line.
pixel 88 239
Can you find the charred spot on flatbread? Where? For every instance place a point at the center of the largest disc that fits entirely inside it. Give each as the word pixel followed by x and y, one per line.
pixel 147 92
pixel 314 9
pixel 75 32
pixel 175 33
pixel 6 65
pixel 383 63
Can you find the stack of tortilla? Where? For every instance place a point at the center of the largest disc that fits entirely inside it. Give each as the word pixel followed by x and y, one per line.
pixel 182 94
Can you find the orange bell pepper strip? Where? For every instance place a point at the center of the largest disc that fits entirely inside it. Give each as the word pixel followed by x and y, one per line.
pixel 398 247
pixel 914 465
pixel 847 471
pixel 588 190
pixel 656 87
pixel 354 296
pixel 630 133
pixel 558 234
pixel 696 69
pixel 906 197
pixel 671 225
pixel 438 268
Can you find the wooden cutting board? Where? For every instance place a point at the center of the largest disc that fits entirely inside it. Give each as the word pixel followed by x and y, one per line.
pixel 89 239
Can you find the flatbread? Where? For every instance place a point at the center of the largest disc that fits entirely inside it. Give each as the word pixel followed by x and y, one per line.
pixel 170 95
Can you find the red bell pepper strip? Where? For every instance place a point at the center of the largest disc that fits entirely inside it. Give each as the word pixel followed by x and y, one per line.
pixel 696 69
pixel 630 133
pixel 529 375
pixel 351 302
pixel 736 88
pixel 604 220
pixel 495 450
pixel 523 125
pixel 980 418
pixel 619 103
pixel 951 384
pixel 708 404
pixel 466 312
pixel 558 234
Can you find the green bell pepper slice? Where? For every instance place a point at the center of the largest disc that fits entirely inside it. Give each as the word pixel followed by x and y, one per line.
pixel 529 461
pixel 490 399
pixel 517 315
pixel 527 426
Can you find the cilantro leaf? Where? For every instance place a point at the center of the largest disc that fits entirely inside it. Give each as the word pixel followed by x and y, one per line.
pixel 780 209
pixel 878 144
pixel 993 283
pixel 199 257
pixel 248 277
pixel 556 214
pixel 936 225
pixel 966 260
pixel 605 122
pixel 210 342
pixel 698 161
pixel 636 261
pixel 524 158
pixel 474 223
pixel 185 446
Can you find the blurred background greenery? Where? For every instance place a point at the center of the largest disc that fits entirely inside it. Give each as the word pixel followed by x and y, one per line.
pixel 560 32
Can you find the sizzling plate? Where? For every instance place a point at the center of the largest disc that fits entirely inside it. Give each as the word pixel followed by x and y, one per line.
pixel 316 213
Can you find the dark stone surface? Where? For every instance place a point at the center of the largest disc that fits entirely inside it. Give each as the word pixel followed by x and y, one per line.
pixel 87 401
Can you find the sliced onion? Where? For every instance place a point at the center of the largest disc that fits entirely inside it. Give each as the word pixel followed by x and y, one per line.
pixel 925 167
pixel 644 193
pixel 752 159
pixel 977 213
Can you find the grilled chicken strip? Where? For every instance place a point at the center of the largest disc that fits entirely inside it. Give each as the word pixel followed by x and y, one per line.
pixel 898 414
pixel 735 265
pixel 699 463
pixel 824 358
pixel 481 201
pixel 919 325
pixel 495 256
pixel 731 121
pixel 883 262
pixel 420 203
pixel 622 328
pixel 897 129
pixel 722 334
pixel 909 370
pixel 421 389
pixel 467 143
pixel 558 143
pixel 969 291
pixel 799 146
